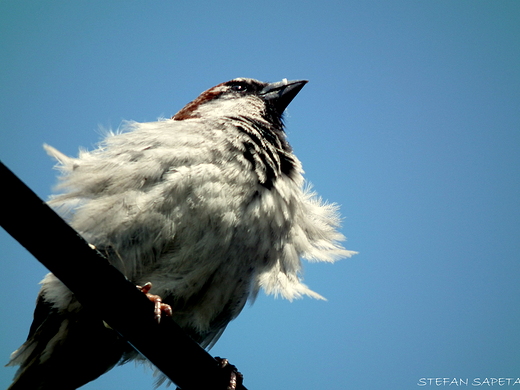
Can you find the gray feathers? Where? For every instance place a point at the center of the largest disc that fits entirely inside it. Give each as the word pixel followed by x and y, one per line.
pixel 209 206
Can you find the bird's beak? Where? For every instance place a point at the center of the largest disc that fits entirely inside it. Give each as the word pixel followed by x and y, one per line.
pixel 281 93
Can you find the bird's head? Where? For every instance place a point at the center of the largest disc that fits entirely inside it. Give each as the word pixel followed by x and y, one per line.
pixel 243 97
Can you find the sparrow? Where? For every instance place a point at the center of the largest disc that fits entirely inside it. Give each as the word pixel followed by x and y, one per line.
pixel 210 207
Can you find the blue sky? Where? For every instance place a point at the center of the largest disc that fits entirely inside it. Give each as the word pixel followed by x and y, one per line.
pixel 410 121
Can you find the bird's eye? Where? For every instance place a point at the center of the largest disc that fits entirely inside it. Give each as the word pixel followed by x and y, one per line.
pixel 239 87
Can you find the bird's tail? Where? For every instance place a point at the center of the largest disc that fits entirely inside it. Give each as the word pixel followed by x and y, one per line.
pixel 64 350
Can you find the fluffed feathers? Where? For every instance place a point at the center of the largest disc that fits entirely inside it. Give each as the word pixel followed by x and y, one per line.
pixel 210 206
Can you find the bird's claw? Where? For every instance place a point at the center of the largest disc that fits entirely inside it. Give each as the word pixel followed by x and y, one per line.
pixel 160 307
pixel 235 377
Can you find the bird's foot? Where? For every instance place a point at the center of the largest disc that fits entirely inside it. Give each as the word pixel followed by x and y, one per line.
pixel 160 307
pixel 235 377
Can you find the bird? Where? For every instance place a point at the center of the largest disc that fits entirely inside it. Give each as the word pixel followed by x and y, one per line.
pixel 209 207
